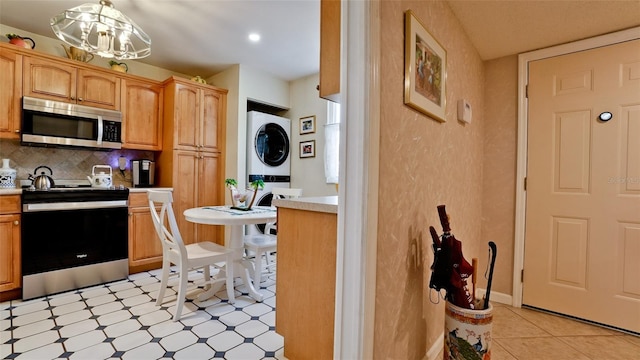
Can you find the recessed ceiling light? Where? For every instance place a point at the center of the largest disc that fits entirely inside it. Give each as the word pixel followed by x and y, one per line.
pixel 254 37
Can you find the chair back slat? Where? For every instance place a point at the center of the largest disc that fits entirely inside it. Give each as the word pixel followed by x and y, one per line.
pixel 170 237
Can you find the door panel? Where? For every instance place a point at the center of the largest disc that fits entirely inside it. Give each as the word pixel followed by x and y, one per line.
pixel 582 237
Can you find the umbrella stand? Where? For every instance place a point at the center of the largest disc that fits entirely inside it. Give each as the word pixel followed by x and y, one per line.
pixel 467 328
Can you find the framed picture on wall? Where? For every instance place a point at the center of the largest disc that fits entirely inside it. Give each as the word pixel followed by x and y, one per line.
pixel 307 149
pixel 425 70
pixel 308 125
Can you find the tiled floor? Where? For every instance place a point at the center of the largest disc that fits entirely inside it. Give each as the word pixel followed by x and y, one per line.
pixel 523 334
pixel 120 320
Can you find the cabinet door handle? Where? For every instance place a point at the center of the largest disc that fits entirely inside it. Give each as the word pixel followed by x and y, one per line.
pixel 80 99
pixel 73 98
pixel 17 131
pixel 16 222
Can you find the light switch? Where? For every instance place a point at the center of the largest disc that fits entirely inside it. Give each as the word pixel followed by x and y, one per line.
pixel 464 111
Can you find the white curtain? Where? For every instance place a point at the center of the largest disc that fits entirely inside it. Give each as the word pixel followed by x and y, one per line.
pixel 332 143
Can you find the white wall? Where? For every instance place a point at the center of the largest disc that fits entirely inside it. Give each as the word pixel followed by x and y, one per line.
pixel 308 173
pixel 245 83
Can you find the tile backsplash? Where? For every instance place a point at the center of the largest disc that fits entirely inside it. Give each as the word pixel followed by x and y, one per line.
pixel 73 164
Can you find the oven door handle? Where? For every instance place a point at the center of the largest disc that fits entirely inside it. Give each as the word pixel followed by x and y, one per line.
pixel 74 205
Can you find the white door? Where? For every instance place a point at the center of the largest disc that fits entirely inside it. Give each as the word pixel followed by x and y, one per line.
pixel 582 237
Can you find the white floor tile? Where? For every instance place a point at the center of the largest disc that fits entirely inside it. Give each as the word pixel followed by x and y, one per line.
pixel 132 340
pixel 114 317
pixel 136 300
pixel 33 328
pixel 35 341
pixel 29 307
pixel 235 318
pixel 128 293
pixel 84 340
pixel 209 328
pixel 107 308
pixel 122 328
pixel 195 351
pixel 68 308
pixel 73 317
pixel 269 341
pixel 269 318
pixel 257 309
pixel 251 329
pixel 244 352
pixel 99 351
pixel 118 320
pixel 147 351
pixel 31 317
pixel 99 300
pixel 225 341
pixel 78 328
pixel 46 352
pixel 64 298
pixel 179 340
pixel 155 317
pixel 165 328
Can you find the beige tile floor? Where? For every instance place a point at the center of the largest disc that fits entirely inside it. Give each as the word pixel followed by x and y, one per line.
pixel 524 334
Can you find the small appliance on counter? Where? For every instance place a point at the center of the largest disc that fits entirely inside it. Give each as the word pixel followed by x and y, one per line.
pixel 143 172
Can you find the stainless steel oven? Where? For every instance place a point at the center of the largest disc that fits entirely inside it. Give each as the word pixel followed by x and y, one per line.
pixel 73 238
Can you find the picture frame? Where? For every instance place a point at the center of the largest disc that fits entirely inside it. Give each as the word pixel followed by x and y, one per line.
pixel 308 125
pixel 425 70
pixel 307 149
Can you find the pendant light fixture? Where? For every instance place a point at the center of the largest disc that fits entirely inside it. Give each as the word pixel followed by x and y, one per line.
pixel 102 30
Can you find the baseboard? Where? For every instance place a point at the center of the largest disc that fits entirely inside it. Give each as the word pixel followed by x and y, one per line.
pixel 435 349
pixel 495 296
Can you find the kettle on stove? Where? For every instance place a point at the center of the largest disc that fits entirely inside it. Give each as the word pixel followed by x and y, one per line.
pixel 101 179
pixel 42 181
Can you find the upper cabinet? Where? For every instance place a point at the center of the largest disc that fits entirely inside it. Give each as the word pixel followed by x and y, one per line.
pixel 49 79
pixel 142 112
pixel 195 114
pixel 10 93
pixel 330 50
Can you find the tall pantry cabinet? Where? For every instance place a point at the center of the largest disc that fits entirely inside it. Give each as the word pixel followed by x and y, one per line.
pixel 192 159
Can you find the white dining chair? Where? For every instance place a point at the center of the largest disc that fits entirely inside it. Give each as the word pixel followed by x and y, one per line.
pixel 203 254
pixel 258 246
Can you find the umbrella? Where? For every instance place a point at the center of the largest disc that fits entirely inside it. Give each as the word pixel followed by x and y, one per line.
pixel 450 269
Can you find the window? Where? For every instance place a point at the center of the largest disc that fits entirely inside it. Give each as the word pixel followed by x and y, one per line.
pixel 332 143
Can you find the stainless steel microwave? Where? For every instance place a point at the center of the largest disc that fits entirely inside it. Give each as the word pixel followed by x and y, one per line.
pixel 55 123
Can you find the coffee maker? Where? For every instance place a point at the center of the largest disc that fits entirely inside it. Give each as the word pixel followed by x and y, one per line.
pixel 143 172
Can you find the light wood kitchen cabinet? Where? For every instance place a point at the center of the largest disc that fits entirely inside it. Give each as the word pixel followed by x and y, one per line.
pixel 10 93
pixel 145 249
pixel 306 285
pixel 56 80
pixel 142 114
pixel 329 87
pixel 192 159
pixel 10 269
pixel 196 112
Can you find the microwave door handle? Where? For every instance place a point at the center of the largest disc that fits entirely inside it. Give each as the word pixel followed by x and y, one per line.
pixel 100 129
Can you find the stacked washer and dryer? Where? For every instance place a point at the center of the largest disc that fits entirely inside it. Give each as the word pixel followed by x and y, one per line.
pixel 268 156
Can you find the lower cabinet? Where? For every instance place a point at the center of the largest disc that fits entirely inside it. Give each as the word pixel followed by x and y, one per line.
pixel 145 249
pixel 10 266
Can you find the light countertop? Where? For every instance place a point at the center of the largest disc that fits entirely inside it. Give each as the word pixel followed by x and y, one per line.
pixel 327 204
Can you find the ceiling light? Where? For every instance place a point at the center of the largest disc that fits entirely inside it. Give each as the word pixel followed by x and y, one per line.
pixel 254 37
pixel 102 30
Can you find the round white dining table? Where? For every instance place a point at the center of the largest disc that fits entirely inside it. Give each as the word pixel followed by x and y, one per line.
pixel 235 220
